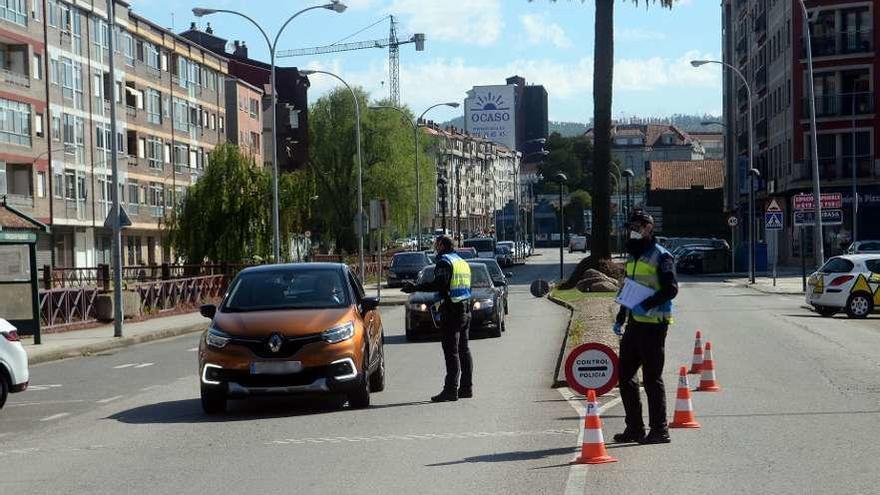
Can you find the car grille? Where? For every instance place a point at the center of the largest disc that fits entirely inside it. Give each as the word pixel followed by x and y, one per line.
pixel 245 379
pixel 291 345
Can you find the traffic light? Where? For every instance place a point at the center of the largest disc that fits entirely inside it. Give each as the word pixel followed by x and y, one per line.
pixel 442 194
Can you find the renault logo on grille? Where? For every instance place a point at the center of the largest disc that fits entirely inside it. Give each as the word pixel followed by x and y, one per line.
pixel 275 342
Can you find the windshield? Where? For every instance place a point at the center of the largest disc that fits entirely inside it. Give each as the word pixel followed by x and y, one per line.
pixel 409 259
pixel 426 275
pixel 287 288
pixel 494 270
pixel 480 277
pixel 481 245
pixel 466 253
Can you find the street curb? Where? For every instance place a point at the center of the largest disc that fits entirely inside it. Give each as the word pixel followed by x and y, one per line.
pixel 767 291
pixel 557 383
pixel 107 345
pixel 391 303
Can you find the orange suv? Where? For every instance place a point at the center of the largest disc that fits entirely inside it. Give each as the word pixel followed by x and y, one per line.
pixel 304 328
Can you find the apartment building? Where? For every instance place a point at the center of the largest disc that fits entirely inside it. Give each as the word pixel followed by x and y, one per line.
pixel 635 144
pixel 765 40
pixel 481 178
pixel 244 103
pixel 55 133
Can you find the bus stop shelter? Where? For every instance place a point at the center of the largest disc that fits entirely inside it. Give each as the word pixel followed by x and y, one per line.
pixel 19 292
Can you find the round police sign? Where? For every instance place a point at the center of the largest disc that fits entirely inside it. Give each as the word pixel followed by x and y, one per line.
pixel 732 221
pixel 539 288
pixel 591 366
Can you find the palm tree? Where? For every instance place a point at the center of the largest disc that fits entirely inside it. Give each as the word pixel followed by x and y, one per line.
pixel 603 82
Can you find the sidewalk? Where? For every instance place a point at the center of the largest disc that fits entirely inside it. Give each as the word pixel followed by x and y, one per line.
pixel 785 284
pixel 93 340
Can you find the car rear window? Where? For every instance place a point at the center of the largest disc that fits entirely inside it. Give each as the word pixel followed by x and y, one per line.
pixel 480 278
pixel 409 259
pixel 837 265
pixel 873 265
pixel 288 288
pixel 869 246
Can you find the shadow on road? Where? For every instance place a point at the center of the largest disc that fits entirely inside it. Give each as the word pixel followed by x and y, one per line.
pixel 520 455
pixel 189 411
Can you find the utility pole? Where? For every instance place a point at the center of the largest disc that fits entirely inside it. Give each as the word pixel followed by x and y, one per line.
pixel 116 242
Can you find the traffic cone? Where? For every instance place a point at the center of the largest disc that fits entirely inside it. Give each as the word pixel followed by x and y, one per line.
pixel 707 377
pixel 593 447
pixel 697 363
pixel 684 408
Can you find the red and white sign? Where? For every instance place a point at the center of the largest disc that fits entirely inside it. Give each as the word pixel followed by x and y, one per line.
pixel 591 366
pixel 805 201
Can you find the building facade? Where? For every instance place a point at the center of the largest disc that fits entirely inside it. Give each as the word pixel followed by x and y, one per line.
pixel 634 145
pixel 481 179
pixel 765 40
pixel 244 104
pixel 170 107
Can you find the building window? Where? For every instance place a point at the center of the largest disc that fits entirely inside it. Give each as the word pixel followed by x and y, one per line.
pixel 14 11
pixel 254 107
pixel 154 106
pixel 221 123
pixel 212 120
pixel 128 49
pixel 37 69
pixel 38 124
pixel 16 179
pixel 154 152
pixel 151 53
pixel 41 184
pixel 70 185
pixel 15 122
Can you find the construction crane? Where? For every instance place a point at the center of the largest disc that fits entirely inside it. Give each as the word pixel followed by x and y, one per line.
pixel 392 43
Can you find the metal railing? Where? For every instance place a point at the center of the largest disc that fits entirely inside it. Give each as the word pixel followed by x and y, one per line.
pixel 15 78
pixel 841 104
pixel 842 43
pixel 65 307
pixel 167 295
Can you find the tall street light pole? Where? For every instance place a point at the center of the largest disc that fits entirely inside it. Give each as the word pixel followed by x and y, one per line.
pixel 116 242
pixel 754 174
pixel 415 128
pixel 360 164
pixel 561 178
pixel 335 6
pixel 752 248
pixel 814 145
pixel 628 173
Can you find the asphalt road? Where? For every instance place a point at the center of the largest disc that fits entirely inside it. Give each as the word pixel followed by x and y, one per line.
pixel 130 422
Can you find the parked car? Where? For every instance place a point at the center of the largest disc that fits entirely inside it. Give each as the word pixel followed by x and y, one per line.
pixel 845 283
pixel 484 246
pixel 504 256
pixel 13 362
pixel 487 312
pixel 703 259
pixel 671 243
pixel 499 277
pixel 466 253
pixel 303 328
pixel 577 243
pixel 862 247
pixel 406 266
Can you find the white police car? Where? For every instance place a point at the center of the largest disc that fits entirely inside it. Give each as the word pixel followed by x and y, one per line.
pixel 13 362
pixel 849 283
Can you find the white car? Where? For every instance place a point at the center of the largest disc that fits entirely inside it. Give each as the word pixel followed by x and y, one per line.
pixel 864 247
pixel 577 243
pixel 13 362
pixel 849 283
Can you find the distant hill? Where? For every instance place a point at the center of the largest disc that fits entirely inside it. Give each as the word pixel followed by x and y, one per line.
pixel 683 121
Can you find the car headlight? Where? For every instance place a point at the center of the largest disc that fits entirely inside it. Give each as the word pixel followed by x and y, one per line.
pixel 216 339
pixel 338 333
pixel 421 307
pixel 485 303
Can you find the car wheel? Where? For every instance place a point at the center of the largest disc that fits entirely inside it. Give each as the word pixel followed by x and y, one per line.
pixel 213 400
pixel 360 397
pixel 4 390
pixel 495 331
pixel 506 307
pixel 377 379
pixel 826 311
pixel 859 305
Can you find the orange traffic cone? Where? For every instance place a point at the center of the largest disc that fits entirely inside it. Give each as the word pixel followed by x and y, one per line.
pixel 593 447
pixel 697 363
pixel 684 408
pixel 707 377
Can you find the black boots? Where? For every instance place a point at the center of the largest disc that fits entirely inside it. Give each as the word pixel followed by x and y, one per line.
pixel 445 396
pixel 465 393
pixel 630 436
pixel 656 436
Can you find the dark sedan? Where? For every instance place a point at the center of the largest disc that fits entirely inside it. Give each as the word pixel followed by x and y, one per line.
pixel 406 266
pixel 487 312
pixel 499 277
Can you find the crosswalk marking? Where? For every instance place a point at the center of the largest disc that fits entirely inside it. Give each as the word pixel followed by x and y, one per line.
pixel 128 365
pixel 144 365
pixel 109 399
pixel 55 416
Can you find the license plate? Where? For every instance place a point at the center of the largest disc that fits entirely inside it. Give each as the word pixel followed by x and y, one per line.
pixel 276 367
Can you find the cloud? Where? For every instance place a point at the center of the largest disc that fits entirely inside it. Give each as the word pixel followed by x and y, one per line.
pixel 656 73
pixel 539 29
pixel 463 21
pixel 635 34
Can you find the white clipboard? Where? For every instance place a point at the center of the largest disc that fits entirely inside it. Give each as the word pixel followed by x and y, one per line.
pixel 633 293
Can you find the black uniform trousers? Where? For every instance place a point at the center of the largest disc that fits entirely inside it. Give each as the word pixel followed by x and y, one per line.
pixel 643 345
pixel 455 321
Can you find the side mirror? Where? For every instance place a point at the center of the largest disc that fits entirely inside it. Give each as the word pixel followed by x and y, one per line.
pixel 369 304
pixel 208 310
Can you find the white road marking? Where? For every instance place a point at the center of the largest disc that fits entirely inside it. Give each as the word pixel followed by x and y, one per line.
pixel 419 436
pixel 124 366
pixel 577 474
pixel 109 399
pixel 40 403
pixel 144 365
pixel 194 349
pixel 55 416
pixel 37 388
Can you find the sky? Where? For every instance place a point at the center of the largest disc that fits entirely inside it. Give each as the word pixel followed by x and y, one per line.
pixel 482 42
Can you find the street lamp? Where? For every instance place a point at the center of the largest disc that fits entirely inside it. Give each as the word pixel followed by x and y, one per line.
pixel 814 146
pixel 335 6
pixel 628 173
pixel 561 178
pixel 754 175
pixel 698 63
pixel 360 163
pixel 415 127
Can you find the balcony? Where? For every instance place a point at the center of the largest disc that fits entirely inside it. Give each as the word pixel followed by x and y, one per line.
pixel 131 111
pixel 15 78
pixel 864 166
pixel 841 105
pixel 843 43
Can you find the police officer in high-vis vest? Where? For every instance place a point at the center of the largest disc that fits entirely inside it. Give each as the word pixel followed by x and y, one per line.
pixel 452 279
pixel 642 345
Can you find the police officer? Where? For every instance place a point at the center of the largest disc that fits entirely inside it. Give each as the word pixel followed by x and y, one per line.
pixel 452 279
pixel 642 345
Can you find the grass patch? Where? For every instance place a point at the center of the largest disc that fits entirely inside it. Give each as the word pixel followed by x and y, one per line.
pixel 573 296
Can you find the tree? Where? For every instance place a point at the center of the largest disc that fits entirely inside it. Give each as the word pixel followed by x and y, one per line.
pixel 578 201
pixel 570 155
pixel 603 83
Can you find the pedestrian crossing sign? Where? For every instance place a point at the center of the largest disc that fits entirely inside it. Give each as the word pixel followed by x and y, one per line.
pixel 773 220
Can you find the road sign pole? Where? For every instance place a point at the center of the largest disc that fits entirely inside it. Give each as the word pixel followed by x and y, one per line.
pixel 733 249
pixel 775 254
pixel 803 260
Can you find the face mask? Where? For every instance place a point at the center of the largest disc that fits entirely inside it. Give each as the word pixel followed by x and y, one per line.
pixel 635 235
